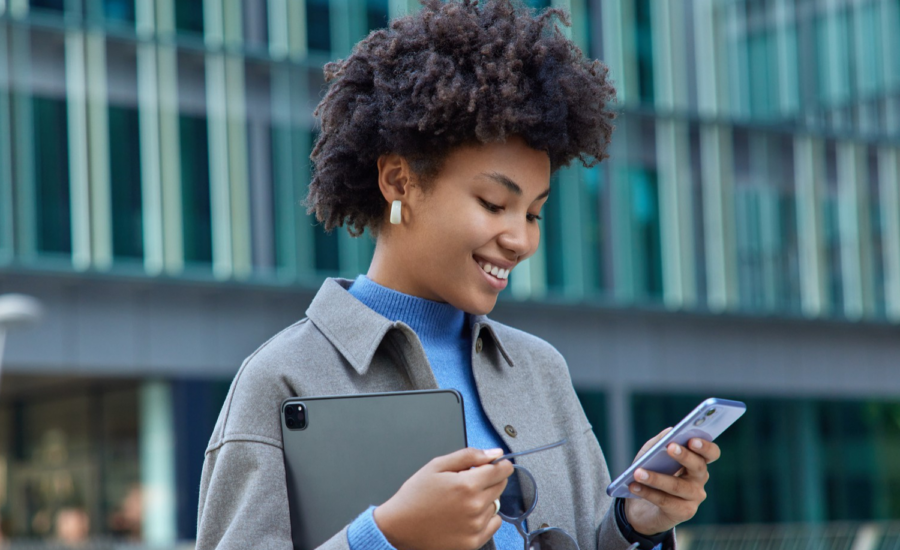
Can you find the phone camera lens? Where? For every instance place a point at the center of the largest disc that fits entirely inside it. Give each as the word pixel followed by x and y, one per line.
pixel 710 412
pixel 290 422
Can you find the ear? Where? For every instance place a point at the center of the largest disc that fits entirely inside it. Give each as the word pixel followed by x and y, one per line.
pixel 395 178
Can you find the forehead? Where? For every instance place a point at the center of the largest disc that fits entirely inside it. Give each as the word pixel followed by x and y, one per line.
pixel 512 159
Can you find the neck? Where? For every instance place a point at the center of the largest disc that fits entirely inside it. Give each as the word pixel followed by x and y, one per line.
pixel 390 268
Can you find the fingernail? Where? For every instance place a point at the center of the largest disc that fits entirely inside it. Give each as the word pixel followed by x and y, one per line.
pixel 493 453
pixel 642 475
pixel 636 488
pixel 676 448
pixel 697 444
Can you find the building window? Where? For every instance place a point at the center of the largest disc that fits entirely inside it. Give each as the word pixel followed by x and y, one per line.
pixel 195 191
pixel 643 34
pixel 119 11
pixel 54 229
pixel 594 404
pixel 70 462
pixel 645 219
pixel 555 244
pixel 189 16
pixel 318 25
pixel 377 14
pixel 125 182
pixel 47 5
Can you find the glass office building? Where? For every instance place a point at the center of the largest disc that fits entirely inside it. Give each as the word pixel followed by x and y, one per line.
pixel 163 144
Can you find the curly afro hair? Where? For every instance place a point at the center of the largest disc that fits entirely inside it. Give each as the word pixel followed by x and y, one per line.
pixel 454 73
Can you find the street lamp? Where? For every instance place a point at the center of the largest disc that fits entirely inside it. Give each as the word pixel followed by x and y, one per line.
pixel 16 310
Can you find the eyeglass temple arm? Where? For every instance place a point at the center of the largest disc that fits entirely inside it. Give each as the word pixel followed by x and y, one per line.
pixel 529 451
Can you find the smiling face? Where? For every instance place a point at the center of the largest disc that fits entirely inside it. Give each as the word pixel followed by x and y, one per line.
pixel 481 208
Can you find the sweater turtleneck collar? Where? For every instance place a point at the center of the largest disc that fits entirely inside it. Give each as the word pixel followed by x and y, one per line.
pixel 432 321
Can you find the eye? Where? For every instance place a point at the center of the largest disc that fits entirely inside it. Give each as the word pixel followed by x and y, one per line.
pixel 491 207
pixel 532 218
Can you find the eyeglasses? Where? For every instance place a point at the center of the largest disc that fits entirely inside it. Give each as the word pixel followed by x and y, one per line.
pixel 522 488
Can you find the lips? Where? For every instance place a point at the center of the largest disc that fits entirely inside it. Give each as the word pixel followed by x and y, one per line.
pixel 499 272
pixel 495 281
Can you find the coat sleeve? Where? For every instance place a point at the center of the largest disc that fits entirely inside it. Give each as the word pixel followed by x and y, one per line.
pixel 243 500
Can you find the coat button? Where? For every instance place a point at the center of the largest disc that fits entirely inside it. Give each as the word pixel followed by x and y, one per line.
pixel 511 431
pixel 478 345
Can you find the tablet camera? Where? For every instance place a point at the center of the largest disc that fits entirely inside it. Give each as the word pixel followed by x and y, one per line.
pixel 295 417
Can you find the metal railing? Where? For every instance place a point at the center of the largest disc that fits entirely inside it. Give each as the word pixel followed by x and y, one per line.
pixel 826 536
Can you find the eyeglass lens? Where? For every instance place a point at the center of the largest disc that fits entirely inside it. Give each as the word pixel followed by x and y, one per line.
pixel 551 539
pixel 520 490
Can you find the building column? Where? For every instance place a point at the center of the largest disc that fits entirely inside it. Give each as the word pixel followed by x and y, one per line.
pixel 889 195
pixel 889 163
pixel 809 175
pixel 572 203
pixel 79 174
pixel 676 208
pixel 25 235
pixel 620 427
pixel 7 248
pixel 619 48
pixel 627 277
pixel 98 150
pixel 157 73
pixel 157 459
pixel 855 230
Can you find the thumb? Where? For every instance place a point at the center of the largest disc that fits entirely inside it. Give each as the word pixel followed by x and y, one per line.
pixel 464 459
pixel 652 442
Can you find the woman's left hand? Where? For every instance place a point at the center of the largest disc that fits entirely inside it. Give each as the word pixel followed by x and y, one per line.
pixel 665 501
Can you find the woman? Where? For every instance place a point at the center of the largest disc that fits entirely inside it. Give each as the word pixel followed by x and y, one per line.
pixel 440 136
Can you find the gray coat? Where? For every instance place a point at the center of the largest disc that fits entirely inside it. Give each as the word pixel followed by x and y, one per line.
pixel 344 347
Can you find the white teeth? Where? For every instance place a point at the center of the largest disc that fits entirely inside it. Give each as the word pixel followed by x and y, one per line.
pixel 498 272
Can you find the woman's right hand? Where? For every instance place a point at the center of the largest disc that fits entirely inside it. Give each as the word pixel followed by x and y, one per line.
pixel 448 504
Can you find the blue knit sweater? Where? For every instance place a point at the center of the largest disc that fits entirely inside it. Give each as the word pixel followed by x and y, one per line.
pixel 445 333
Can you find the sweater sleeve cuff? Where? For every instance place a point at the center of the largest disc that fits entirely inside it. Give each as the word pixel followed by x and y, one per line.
pixel 661 541
pixel 364 533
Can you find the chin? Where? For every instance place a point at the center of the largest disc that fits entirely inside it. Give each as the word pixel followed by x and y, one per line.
pixel 481 307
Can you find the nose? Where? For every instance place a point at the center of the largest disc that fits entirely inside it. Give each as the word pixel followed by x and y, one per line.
pixel 517 239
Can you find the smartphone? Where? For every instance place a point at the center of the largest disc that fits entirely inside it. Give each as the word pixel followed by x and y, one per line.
pixel 707 422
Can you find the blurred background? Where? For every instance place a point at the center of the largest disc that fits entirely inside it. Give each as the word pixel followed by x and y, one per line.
pixel 742 241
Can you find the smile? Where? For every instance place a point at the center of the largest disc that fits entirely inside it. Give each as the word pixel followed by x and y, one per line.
pixel 494 270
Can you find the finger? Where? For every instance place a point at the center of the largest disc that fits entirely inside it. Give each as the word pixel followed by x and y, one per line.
pixel 492 526
pixel 464 459
pixel 677 509
pixel 693 464
pixel 652 442
pixel 707 449
pixel 681 487
pixel 495 491
pixel 488 475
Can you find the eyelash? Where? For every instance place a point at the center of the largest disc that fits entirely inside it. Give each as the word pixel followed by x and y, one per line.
pixel 494 208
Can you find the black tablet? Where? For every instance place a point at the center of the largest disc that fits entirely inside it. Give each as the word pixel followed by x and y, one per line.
pixel 344 453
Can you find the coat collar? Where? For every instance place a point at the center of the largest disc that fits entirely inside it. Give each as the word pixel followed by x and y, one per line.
pixel 356 331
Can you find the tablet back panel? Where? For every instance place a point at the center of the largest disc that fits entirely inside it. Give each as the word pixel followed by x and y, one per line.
pixel 358 450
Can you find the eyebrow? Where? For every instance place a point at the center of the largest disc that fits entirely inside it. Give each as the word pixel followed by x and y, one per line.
pixel 511 185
